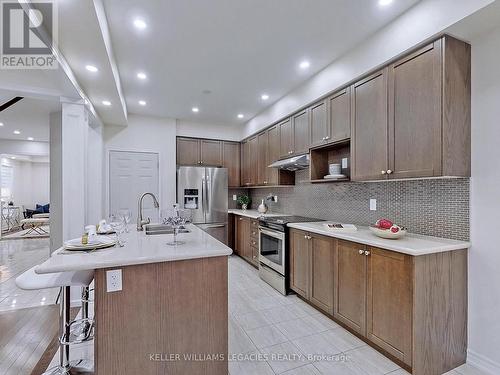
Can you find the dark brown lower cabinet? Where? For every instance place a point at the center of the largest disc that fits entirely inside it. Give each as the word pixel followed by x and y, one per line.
pixel 299 262
pixel 412 308
pixel 246 239
pixel 389 302
pixel 350 285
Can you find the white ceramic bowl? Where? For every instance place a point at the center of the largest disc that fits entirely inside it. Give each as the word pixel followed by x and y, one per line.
pixel 386 233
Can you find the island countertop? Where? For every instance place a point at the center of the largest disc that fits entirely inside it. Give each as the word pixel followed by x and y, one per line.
pixel 411 244
pixel 138 249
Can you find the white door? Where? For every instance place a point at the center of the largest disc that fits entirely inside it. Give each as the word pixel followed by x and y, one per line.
pixel 130 175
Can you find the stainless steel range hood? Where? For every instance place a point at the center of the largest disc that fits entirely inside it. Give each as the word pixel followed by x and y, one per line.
pixel 292 164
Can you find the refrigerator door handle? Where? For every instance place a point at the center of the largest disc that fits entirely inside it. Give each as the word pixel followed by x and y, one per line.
pixel 208 189
pixel 203 196
pixel 214 225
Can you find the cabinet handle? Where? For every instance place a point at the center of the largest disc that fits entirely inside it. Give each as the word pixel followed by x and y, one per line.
pixel 308 237
pixel 383 172
pixel 367 253
pixel 327 138
pixel 361 252
pixel 241 218
pixel 305 236
pixel 254 243
pixel 265 182
pixel 389 171
pixel 254 233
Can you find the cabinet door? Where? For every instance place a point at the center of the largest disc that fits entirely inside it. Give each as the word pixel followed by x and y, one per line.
pixel 389 302
pixel 211 152
pixel 340 115
pixel 415 114
pixel 350 285
pixel 262 140
pixel 253 158
pixel 242 236
pixel 245 155
pixel 231 161
pixel 320 131
pixel 321 293
pixel 301 132
pixel 369 128
pixel 299 262
pixel 188 151
pixel 273 154
pixel 286 138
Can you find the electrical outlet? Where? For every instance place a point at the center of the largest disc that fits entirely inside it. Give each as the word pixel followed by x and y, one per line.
pixel 114 280
pixel 373 204
pixel 344 163
pixel 275 199
pixel 235 197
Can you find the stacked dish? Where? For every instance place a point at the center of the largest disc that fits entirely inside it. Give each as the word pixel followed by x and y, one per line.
pixel 93 244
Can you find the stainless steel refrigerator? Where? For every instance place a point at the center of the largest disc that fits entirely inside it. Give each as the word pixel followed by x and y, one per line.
pixel 203 190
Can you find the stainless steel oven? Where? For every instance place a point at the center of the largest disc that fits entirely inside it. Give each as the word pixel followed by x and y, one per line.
pixel 272 247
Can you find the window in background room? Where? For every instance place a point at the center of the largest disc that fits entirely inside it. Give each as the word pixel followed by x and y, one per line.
pixel 6 181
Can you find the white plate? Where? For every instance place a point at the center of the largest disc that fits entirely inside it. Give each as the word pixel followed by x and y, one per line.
pixel 76 244
pixel 335 176
pixel 386 233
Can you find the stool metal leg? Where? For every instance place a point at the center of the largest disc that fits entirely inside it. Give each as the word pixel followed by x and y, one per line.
pixel 82 329
pixel 67 367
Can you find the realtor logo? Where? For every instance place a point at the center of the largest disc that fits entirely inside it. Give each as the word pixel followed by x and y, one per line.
pixel 29 29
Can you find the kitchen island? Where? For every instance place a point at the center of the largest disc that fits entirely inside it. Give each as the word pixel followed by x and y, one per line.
pixel 171 314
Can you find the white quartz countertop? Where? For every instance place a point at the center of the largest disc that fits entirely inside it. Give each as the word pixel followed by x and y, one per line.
pixel 412 244
pixel 138 249
pixel 253 214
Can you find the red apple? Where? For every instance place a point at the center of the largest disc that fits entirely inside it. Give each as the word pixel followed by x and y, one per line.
pixel 394 229
pixel 384 224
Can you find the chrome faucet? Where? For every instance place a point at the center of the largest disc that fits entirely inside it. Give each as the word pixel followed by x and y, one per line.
pixel 140 221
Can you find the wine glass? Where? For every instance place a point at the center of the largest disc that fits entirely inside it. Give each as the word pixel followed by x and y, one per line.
pixel 117 224
pixel 176 218
pixel 126 215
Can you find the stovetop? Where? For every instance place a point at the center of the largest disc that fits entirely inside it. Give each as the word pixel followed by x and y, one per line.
pixel 283 220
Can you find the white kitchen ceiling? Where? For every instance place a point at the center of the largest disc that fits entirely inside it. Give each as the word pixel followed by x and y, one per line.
pixel 222 55
pixel 30 116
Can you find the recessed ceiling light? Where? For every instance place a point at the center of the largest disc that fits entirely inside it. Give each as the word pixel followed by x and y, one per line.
pixel 195 109
pixel 91 68
pixel 384 2
pixel 240 115
pixel 17 132
pixel 106 103
pixel 30 139
pixel 264 96
pixel 13 158
pixel 142 102
pixel 1 123
pixel 140 24
pixel 304 64
pixel 142 75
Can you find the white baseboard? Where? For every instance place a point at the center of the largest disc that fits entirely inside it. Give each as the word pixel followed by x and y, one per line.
pixel 482 363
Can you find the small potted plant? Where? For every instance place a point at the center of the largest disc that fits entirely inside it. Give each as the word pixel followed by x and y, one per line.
pixel 244 201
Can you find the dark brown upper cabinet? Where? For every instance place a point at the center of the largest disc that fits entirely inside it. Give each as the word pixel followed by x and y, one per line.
pixel 320 131
pixel 369 144
pixel 339 113
pixel 273 154
pixel 286 138
pixel 231 161
pixel 211 152
pixel 412 119
pixel 188 151
pixel 263 147
pixel 300 129
pixel 194 151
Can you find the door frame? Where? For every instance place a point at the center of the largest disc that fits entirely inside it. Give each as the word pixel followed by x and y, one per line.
pixel 107 206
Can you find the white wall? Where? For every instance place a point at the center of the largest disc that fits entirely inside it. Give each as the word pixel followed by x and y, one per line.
pixel 230 132
pixel 484 258
pixel 146 134
pixel 94 175
pixel 424 20
pixel 10 146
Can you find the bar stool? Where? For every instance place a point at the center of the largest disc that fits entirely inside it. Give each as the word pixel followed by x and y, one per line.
pixel 30 280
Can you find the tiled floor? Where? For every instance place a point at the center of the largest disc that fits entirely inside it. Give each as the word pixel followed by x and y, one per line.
pixel 16 256
pixel 273 334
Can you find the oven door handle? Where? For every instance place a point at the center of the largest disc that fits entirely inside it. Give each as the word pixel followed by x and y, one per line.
pixel 278 235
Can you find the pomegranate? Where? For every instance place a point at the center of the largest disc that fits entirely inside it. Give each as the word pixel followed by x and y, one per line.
pixel 394 229
pixel 384 224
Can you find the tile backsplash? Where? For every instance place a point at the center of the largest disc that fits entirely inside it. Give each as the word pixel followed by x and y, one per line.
pixel 434 207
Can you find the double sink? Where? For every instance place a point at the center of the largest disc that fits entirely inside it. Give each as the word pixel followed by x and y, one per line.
pixel 153 229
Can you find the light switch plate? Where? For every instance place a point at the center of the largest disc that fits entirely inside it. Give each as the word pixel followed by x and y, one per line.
pixel 373 204
pixel 114 280
pixel 275 199
pixel 344 163
pixel 235 197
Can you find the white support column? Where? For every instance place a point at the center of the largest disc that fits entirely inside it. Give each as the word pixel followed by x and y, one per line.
pixel 68 166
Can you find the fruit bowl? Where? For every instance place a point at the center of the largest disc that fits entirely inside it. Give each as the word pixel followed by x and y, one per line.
pixel 385 228
pixel 386 233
